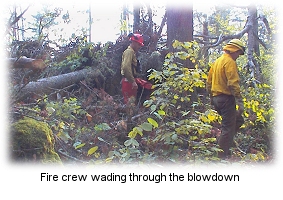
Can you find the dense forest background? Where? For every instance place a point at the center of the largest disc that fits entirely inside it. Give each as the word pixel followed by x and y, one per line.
pixel 65 96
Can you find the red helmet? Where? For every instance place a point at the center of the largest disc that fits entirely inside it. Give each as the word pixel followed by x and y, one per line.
pixel 137 38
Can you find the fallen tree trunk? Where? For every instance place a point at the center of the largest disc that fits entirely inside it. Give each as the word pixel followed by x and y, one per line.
pixel 51 84
pixel 24 62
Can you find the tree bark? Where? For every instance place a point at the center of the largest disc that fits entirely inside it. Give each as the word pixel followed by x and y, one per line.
pixel 179 27
pixel 253 45
pixel 136 25
pixel 51 84
pixel 179 24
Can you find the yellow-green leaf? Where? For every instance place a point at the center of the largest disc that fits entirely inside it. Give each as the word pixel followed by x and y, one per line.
pixel 204 119
pixel 92 150
pixel 246 114
pixel 80 145
pixel 204 76
pixel 62 125
pixel 132 134
pixel 161 112
pixel 176 96
pixel 152 122
pixel 193 137
pixel 211 117
pixel 176 43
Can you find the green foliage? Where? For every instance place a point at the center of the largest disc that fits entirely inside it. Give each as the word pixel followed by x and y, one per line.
pixel 180 124
pixel 63 116
pixel 259 117
pixel 76 59
pixel 258 104
pixel 66 110
pixel 102 127
pixel 71 63
pixel 226 20
pixel 86 55
pixel 175 130
pixel 43 21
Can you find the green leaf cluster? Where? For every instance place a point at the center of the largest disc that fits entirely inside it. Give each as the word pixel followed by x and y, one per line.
pixel 174 126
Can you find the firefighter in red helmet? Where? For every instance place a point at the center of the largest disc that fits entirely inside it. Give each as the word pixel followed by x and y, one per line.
pixel 128 68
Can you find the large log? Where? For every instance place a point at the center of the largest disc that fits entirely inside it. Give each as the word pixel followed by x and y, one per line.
pixel 51 84
pixel 24 62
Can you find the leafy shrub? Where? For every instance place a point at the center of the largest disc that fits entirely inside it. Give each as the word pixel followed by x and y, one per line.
pixel 257 131
pixel 175 130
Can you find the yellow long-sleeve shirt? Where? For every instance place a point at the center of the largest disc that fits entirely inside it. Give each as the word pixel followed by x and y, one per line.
pixel 128 60
pixel 223 77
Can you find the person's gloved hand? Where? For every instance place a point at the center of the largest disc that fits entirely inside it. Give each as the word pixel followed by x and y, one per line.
pixel 134 85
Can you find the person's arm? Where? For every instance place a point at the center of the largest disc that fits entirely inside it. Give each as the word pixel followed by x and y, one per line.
pixel 234 85
pixel 209 82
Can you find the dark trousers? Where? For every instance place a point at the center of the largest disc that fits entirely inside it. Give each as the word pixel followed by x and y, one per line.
pixel 225 105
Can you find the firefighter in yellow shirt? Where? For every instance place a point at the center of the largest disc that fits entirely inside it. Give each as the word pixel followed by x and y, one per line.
pixel 129 66
pixel 224 89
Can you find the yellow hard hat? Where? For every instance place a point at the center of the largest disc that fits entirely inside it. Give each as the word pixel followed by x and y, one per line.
pixel 239 44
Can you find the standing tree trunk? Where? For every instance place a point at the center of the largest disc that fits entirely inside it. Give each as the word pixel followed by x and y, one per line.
pixel 136 26
pixel 180 27
pixel 89 22
pixel 205 39
pixel 179 24
pixel 253 44
pixel 149 28
pixel 125 20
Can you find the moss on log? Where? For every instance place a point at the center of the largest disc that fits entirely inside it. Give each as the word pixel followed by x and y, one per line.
pixel 33 141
